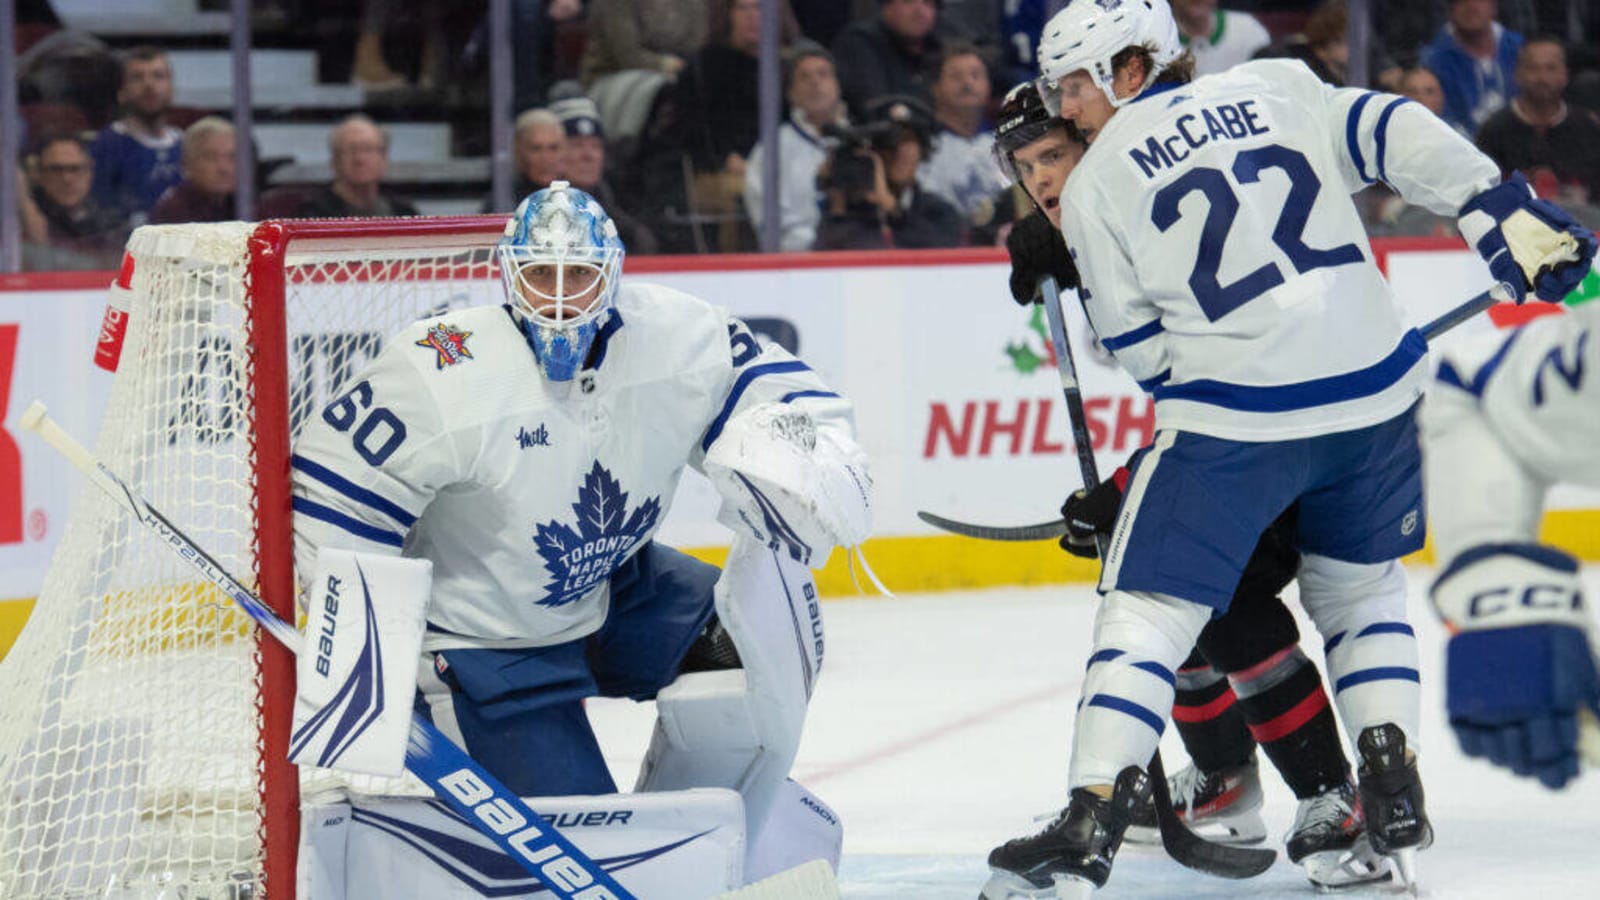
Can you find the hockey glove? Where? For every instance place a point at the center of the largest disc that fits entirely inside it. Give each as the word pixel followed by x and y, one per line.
pixel 1530 244
pixel 1519 671
pixel 1089 514
pixel 1037 249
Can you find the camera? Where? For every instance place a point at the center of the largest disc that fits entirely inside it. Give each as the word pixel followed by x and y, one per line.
pixel 849 169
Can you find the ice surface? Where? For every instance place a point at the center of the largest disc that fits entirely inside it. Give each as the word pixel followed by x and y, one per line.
pixel 940 728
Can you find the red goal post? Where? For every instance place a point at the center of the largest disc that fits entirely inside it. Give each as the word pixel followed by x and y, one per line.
pixel 143 739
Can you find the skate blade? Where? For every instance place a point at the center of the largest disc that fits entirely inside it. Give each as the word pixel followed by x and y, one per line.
pixel 1010 886
pixel 1333 871
pixel 1405 866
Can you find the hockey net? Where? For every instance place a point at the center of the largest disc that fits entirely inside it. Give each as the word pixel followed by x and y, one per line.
pixel 144 725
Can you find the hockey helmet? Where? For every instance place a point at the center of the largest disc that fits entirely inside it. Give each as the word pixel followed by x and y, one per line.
pixel 1088 34
pixel 560 260
pixel 1022 120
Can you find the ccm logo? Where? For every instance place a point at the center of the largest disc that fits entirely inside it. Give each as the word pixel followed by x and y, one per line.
pixel 1548 597
pixel 528 839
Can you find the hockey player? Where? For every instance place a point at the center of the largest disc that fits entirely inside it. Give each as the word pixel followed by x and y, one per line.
pixel 1224 266
pixel 1508 418
pixel 1262 685
pixel 527 454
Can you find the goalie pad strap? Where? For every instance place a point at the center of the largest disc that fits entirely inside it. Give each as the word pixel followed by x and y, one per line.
pixel 356 673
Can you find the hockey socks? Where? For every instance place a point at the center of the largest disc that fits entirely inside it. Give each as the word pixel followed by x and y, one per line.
pixel 1208 719
pixel 1288 713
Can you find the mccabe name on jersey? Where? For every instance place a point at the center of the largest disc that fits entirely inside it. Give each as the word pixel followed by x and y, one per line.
pixel 1193 130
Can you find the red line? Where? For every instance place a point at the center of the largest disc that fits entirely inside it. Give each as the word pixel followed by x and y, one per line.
pixel 923 738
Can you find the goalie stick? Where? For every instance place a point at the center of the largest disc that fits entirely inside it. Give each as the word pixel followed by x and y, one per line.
pixel 1055 528
pixel 461 783
pixel 1182 844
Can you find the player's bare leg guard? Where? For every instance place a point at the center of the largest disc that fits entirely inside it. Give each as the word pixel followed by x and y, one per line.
pixel 1360 609
pixel 1139 640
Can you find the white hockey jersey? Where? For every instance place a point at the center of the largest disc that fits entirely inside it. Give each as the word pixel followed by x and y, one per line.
pixel 527 494
pixel 1225 265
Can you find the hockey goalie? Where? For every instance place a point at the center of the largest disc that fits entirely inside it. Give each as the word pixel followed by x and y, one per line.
pixel 481 503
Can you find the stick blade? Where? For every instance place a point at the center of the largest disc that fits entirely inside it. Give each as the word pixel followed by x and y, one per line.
pixel 1042 531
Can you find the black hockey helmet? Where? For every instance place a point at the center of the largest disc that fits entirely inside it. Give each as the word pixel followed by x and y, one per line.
pixel 1022 120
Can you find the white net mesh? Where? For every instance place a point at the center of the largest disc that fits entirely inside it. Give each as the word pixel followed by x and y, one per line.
pixel 131 750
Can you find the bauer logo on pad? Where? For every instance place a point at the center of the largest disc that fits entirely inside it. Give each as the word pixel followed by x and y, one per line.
pixel 449 342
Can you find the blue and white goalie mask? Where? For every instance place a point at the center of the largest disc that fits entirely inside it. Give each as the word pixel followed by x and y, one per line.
pixel 560 260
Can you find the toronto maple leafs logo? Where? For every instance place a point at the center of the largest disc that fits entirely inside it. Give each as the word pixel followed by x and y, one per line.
pixel 449 342
pixel 606 533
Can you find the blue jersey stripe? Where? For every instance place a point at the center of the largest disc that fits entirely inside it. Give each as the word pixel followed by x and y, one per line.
pixel 341 521
pixel 1128 338
pixel 798 395
pixel 351 490
pixel 739 387
pixel 1379 673
pixel 1150 384
pixel 1480 380
pixel 1383 135
pixel 1158 670
pixel 1107 701
pixel 1352 134
pixel 1305 394
pixel 1386 628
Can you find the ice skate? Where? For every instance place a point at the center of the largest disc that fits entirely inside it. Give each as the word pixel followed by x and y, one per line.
pixel 1329 840
pixel 1220 806
pixel 1391 798
pixel 1072 856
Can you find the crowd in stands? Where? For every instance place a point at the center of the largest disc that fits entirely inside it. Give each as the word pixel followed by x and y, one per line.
pixel 885 139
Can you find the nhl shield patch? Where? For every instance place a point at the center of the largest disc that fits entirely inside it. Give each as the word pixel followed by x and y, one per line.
pixel 448 342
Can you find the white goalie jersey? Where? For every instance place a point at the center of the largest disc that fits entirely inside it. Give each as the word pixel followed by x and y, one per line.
pixel 1509 416
pixel 527 494
pixel 1224 264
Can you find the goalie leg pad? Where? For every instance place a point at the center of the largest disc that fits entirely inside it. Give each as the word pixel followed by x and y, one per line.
pixel 1370 649
pixel 799 829
pixel 353 684
pixel 740 728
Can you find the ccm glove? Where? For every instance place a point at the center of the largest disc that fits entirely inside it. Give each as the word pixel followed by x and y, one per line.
pixel 1037 249
pixel 1530 244
pixel 1519 673
pixel 1089 514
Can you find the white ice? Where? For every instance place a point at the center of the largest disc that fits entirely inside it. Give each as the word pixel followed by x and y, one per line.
pixel 940 728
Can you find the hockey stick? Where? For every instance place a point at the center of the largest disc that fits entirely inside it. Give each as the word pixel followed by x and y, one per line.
pixel 1181 843
pixel 1053 530
pixel 462 784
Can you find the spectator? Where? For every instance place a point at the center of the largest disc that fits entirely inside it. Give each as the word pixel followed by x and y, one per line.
pixel 889 54
pixel 1473 57
pixel 541 140
pixel 1423 86
pixel 975 22
pixel 872 200
pixel 139 157
pixel 1321 45
pixel 206 192
pixel 1219 38
pixel 961 168
pixel 1384 211
pixel 1555 145
pixel 717 94
pixel 583 163
pixel 814 105
pixel 359 153
pixel 78 234
pixel 534 26
pixel 635 48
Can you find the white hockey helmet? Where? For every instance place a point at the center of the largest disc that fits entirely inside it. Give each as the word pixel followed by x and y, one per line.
pixel 1089 33
pixel 560 260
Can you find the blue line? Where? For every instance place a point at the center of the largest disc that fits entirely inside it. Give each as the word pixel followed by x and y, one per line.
pixel 354 526
pixel 1480 379
pixel 1386 628
pixel 1352 134
pixel 1333 642
pixel 797 395
pixel 1103 656
pixel 1128 338
pixel 1381 673
pixel 1150 384
pixel 1144 715
pixel 352 490
pixel 739 386
pixel 1158 670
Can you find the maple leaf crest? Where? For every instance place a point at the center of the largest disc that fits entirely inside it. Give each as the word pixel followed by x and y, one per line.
pixel 580 558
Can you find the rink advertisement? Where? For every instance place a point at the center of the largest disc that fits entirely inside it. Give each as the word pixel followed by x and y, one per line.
pixel 957 397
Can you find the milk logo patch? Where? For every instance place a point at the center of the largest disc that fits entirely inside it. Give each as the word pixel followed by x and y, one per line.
pixel 448 342
pixel 582 557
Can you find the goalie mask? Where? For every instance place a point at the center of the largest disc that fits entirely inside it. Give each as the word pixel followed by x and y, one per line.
pixel 1088 35
pixel 560 260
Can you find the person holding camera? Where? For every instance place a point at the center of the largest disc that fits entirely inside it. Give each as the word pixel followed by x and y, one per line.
pixel 871 200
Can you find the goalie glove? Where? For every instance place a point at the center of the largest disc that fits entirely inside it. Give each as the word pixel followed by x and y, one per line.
pixel 1520 674
pixel 791 482
pixel 1037 249
pixel 1530 244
